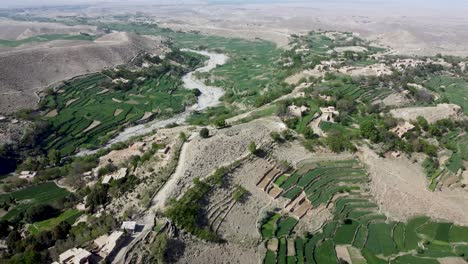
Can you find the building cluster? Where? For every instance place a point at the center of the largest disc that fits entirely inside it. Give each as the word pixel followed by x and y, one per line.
pixel 104 248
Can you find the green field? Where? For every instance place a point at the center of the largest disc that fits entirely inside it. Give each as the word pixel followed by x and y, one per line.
pixel 69 216
pixel 455 89
pixel 94 99
pixel 45 38
pixel 358 222
pixel 252 75
pixel 40 194
pixel 269 227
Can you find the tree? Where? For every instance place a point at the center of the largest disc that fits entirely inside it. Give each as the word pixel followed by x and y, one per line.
pixel 61 230
pixel 337 142
pixel 369 131
pixel 158 248
pixel 39 212
pixel 54 157
pixel 422 122
pixel 204 132
pixel 253 147
pixel 276 137
pixel 97 196
pixel 282 109
pixel 430 150
pixel 4 228
pixel 183 136
pixel 13 239
pixel 220 122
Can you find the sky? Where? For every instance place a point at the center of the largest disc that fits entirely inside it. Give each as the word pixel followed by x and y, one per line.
pixel 318 3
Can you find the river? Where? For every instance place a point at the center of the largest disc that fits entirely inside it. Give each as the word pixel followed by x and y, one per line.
pixel 209 97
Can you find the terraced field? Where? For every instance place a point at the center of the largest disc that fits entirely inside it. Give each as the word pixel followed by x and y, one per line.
pixel 455 89
pixel 25 198
pixel 358 232
pixel 252 75
pixel 357 92
pixel 87 111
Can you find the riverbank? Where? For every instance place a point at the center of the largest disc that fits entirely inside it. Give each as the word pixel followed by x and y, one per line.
pixel 210 97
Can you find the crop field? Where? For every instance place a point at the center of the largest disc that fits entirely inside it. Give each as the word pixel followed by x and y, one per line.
pixel 457 141
pixel 358 223
pixel 69 216
pixel 88 110
pixel 323 182
pixel 252 75
pixel 455 89
pixel 356 92
pixel 45 38
pixel 317 45
pixel 40 194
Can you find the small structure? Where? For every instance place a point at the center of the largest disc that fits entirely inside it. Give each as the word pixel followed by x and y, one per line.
pixel 396 154
pixel 325 97
pixel 74 256
pixel 107 244
pixel 164 150
pixel 2 118
pixel 300 95
pixel 27 175
pixel 81 207
pixel 328 113
pixel 160 139
pixel 297 111
pixel 402 129
pixel 121 173
pixel 120 80
pixel 129 226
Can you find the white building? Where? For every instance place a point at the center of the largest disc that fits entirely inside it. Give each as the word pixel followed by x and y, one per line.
pixel 121 173
pixel 129 226
pixel 74 256
pixel 27 175
pixel 402 129
pixel 107 244
pixel 328 113
pixel 297 111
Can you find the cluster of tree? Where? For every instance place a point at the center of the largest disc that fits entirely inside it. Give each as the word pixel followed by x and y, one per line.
pixel 44 247
pixel 338 141
pixel 376 129
pixel 285 135
pixel 97 196
pixel 272 94
pixel 187 211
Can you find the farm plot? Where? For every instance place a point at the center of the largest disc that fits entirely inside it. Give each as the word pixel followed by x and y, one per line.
pixel 356 91
pixel 87 120
pixel 454 89
pixel 69 216
pixel 359 226
pixel 23 199
pixel 326 180
pixel 252 75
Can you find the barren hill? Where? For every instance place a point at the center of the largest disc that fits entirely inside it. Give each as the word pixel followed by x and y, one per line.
pixel 30 70
pixel 17 30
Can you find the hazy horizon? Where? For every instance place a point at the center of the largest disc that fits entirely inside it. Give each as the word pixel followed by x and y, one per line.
pixel 311 3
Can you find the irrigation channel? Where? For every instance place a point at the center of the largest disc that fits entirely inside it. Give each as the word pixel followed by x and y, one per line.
pixel 209 97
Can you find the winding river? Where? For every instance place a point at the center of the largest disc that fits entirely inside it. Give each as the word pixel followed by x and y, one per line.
pixel 209 97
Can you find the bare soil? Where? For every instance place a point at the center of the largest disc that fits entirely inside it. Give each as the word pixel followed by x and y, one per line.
pixel 400 189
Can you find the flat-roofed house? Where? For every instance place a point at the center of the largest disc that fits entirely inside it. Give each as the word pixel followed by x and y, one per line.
pixel 74 256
